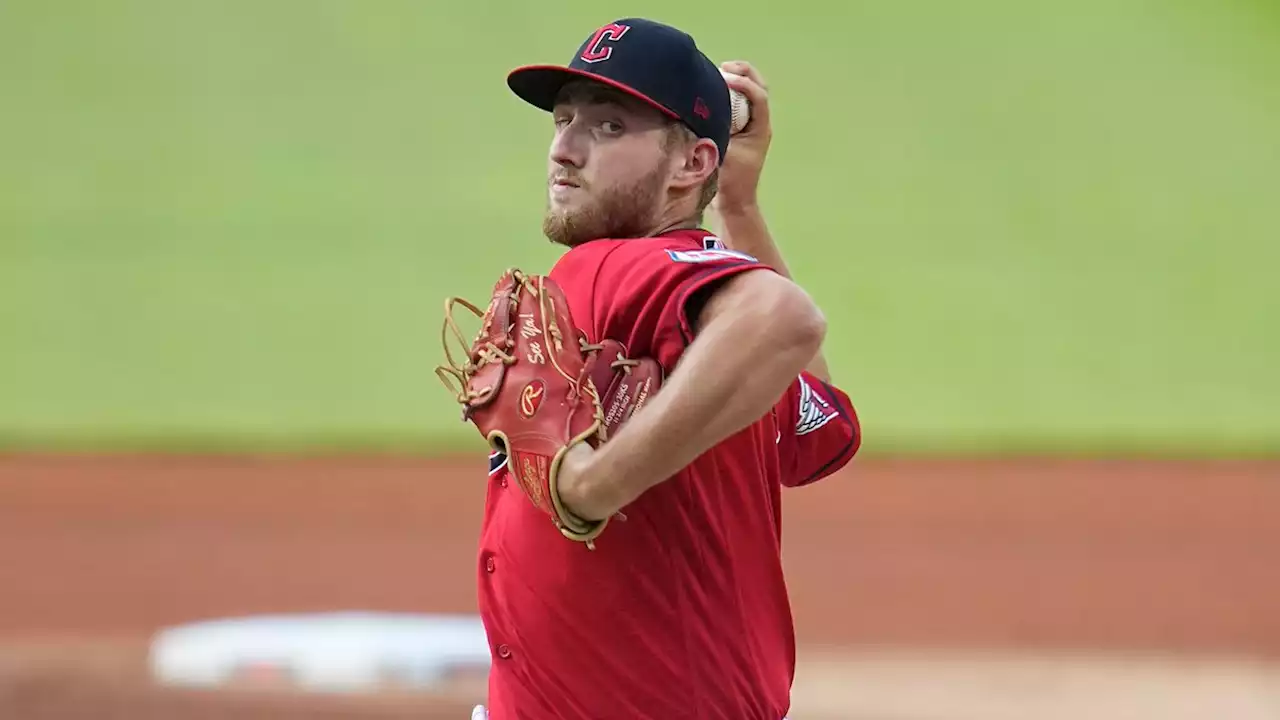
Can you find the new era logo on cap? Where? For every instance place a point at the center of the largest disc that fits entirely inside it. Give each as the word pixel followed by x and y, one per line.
pixel 656 63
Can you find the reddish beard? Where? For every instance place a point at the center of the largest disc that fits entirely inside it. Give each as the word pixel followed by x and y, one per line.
pixel 619 212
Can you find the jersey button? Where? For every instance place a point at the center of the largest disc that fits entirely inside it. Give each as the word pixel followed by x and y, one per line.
pixel 489 564
pixel 504 652
pixel 503 481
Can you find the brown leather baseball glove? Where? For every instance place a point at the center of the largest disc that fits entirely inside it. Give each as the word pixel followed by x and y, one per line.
pixel 534 387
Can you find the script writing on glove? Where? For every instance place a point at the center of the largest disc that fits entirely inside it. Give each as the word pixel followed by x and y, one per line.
pixel 535 387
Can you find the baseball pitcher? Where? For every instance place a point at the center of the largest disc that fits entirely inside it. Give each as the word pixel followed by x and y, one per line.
pixel 645 403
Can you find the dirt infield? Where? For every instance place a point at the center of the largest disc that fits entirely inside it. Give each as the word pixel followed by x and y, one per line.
pixel 1178 558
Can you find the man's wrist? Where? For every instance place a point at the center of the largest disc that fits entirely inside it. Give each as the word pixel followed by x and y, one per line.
pixel 583 489
pixel 737 210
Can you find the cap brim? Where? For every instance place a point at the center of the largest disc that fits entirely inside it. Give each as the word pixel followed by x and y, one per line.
pixel 540 86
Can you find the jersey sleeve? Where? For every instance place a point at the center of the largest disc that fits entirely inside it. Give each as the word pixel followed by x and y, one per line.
pixel 818 430
pixel 645 289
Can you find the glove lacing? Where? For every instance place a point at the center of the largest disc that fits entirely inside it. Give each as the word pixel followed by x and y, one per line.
pixel 485 354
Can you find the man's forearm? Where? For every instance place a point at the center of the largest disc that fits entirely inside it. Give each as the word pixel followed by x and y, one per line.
pixel 744 229
pixel 730 377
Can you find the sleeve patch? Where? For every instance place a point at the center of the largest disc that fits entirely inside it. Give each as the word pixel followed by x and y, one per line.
pixel 709 255
pixel 815 411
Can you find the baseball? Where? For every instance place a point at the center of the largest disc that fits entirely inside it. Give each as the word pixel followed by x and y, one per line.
pixel 739 107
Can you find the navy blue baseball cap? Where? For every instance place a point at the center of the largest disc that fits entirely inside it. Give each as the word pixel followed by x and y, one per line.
pixel 648 60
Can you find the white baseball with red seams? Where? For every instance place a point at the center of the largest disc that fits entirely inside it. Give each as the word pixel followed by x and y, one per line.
pixel 740 109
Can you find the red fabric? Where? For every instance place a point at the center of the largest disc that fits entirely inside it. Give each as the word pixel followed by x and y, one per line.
pixel 682 609
pixel 819 431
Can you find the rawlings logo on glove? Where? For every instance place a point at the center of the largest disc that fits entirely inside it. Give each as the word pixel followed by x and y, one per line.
pixel 534 387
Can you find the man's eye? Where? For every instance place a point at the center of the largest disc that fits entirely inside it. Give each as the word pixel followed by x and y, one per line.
pixel 562 120
pixel 611 127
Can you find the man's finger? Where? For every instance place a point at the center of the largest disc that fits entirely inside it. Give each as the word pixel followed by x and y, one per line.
pixel 745 85
pixel 757 97
pixel 742 67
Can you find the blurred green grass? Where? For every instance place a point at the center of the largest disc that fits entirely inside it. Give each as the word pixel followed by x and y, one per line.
pixel 1035 227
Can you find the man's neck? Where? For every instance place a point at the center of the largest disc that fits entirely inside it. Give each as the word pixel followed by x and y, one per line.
pixel 675 221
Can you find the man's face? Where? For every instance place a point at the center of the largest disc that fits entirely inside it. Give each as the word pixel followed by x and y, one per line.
pixel 608 166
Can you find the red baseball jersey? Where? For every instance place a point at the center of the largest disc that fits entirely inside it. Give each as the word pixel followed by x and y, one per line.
pixel 682 609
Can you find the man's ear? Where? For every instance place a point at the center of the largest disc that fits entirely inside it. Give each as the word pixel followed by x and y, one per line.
pixel 698 161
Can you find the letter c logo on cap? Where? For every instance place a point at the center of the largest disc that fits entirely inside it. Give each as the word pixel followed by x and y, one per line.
pixel 597 50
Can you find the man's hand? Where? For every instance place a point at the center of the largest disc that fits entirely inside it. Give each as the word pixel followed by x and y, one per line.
pixel 740 174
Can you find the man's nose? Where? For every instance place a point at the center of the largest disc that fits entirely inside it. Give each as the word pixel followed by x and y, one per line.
pixel 568 148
